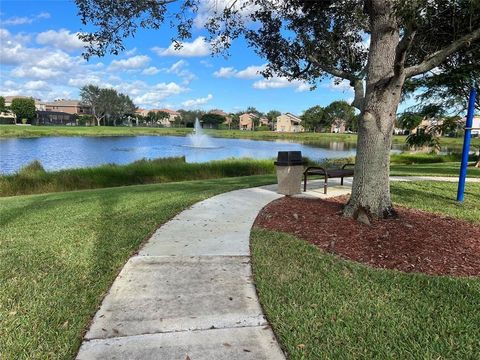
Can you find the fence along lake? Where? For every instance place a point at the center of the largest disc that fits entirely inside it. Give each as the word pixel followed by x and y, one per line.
pixel 57 153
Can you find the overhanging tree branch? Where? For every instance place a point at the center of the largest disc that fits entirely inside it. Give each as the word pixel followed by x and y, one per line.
pixel 333 71
pixel 355 81
pixel 438 57
pixel 402 50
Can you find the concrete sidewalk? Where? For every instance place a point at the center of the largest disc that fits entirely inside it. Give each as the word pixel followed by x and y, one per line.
pixel 189 293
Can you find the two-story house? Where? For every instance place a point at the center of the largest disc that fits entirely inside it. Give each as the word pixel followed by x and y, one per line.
pixel 288 123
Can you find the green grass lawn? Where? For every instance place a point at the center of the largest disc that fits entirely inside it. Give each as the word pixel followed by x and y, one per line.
pixel 7 131
pixel 35 131
pixel 59 254
pixel 434 169
pixel 324 307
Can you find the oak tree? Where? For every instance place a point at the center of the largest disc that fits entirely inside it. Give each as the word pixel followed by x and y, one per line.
pixel 375 45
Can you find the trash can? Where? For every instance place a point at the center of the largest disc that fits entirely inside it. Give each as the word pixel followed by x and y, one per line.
pixel 290 167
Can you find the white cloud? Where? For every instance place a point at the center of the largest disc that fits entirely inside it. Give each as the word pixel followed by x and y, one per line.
pixel 85 79
pixel 22 20
pixel 176 67
pixel 44 15
pixel 208 8
pixel 132 63
pixel 151 96
pixel 61 39
pixel 206 63
pixel 13 48
pixel 131 52
pixel 152 70
pixel 196 102
pixel 225 72
pixel 50 73
pixel 280 82
pixel 35 72
pixel 36 85
pixel 250 72
pixel 179 69
pixel 198 47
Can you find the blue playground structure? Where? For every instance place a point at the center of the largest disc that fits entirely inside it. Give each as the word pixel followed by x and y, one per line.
pixel 466 145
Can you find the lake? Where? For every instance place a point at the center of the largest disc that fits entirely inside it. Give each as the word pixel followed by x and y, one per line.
pixel 57 153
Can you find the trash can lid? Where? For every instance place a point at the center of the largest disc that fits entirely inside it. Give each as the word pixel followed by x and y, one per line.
pixel 286 158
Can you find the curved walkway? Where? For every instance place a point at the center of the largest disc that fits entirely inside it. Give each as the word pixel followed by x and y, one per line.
pixel 189 293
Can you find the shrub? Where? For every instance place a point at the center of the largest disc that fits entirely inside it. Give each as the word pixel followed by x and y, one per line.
pixel 423 140
pixel 32 169
pixel 262 128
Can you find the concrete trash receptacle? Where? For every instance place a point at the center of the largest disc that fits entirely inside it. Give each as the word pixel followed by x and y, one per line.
pixel 290 167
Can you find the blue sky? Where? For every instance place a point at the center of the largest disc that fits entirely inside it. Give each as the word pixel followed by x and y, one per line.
pixel 40 56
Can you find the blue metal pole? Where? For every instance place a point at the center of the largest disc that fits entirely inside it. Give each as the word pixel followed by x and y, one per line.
pixel 466 145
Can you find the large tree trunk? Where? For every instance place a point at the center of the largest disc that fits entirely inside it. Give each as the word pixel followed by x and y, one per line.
pixel 371 187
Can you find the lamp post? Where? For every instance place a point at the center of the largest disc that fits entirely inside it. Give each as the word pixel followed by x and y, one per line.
pixel 466 145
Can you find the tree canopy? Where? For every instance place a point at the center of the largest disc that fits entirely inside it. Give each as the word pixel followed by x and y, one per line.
pixel 212 119
pixel 313 118
pixel 340 110
pixel 107 104
pixel 24 108
pixel 449 85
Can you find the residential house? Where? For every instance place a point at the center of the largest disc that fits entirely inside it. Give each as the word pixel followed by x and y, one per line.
pixel 247 121
pixel 263 121
pixel 49 117
pixel 399 131
pixel 228 118
pixel 72 107
pixel 338 126
pixel 39 105
pixel 167 122
pixel 7 117
pixel 476 126
pixel 428 123
pixel 289 123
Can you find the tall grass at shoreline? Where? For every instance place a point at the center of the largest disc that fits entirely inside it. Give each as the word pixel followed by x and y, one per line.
pixel 33 179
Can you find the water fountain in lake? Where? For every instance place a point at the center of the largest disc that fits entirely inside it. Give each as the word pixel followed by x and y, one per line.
pixel 198 139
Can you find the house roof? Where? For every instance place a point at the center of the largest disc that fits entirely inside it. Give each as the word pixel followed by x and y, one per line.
pixel 293 117
pixel 65 102
pixel 168 111
pixel 218 112
pixel 9 98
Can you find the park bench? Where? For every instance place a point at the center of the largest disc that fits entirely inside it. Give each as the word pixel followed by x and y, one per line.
pixel 327 174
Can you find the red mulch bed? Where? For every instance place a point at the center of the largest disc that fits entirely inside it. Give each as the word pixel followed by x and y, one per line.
pixel 415 241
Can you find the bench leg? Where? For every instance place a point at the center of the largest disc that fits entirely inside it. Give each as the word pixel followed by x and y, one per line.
pixel 325 185
pixel 341 181
pixel 304 182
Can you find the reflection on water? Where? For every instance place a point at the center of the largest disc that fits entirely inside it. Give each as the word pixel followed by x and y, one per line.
pixel 72 152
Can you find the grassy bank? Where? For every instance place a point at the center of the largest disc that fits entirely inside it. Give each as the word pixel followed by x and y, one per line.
pixel 433 169
pixel 33 179
pixel 323 307
pixel 59 254
pixel 11 131
pixel 36 131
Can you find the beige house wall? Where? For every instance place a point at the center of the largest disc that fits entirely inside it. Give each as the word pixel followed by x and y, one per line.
pixel 167 122
pixel 246 122
pixel 288 123
pixel 476 126
pixel 69 109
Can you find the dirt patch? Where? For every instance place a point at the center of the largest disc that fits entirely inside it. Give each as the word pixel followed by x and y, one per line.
pixel 415 241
